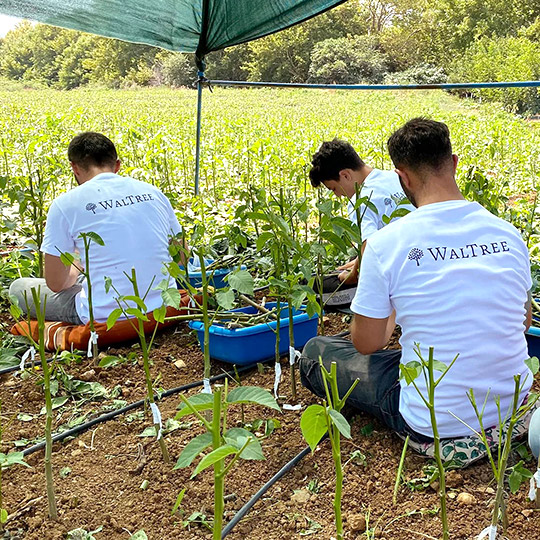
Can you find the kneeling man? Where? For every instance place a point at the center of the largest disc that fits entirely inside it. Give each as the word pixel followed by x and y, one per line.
pixel 457 279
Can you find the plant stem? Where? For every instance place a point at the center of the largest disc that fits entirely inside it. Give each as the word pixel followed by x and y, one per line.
pixel 500 506
pixel 206 319
pixel 146 366
pixel 437 445
pixel 40 315
pixel 336 454
pixel 400 470
pixel 219 502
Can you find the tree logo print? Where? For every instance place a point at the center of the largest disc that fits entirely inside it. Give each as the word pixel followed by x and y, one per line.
pixel 415 255
pixel 91 206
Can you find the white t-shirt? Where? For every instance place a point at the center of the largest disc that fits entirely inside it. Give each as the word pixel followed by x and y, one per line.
pixel 135 221
pixel 458 278
pixel 385 192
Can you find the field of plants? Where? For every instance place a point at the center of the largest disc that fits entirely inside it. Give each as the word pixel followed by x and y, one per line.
pixel 139 474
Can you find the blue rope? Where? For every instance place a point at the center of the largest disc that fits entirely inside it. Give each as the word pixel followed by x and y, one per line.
pixel 443 86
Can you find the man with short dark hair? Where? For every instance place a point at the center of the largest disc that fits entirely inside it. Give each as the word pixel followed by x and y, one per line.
pixel 457 278
pixel 134 219
pixel 338 167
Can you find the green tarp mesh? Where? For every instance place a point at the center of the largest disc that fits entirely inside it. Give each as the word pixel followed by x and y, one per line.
pixel 199 26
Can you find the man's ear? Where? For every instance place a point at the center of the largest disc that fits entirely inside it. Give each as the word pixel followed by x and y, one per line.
pixel 455 158
pixel 117 166
pixel 404 177
pixel 75 168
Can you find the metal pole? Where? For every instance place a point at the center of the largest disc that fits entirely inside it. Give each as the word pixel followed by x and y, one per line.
pixel 200 79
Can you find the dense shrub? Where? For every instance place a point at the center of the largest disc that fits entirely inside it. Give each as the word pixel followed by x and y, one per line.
pixel 178 69
pixel 420 74
pixel 503 59
pixel 347 61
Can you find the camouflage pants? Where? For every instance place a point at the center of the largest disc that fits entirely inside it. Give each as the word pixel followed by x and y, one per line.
pixel 378 391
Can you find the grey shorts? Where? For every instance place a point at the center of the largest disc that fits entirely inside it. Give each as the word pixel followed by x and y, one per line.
pixel 58 306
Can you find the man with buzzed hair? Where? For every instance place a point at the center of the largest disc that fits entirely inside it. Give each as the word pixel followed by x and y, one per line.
pixel 134 219
pixel 458 279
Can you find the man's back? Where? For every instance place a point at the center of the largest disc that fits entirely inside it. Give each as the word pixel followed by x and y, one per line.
pixel 458 279
pixel 133 218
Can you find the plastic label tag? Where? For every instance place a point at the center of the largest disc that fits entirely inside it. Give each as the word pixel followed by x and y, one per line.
pixel 293 355
pixel 92 341
pixel 277 379
pixel 489 532
pixel 534 485
pixel 207 389
pixel 156 417
pixel 31 352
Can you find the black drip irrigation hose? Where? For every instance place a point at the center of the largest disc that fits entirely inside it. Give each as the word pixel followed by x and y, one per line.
pixel 247 507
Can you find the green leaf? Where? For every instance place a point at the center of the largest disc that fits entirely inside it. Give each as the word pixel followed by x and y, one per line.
pixel 110 361
pixel 137 313
pixel 23 417
pixel 514 481
pixel 193 449
pixel 340 422
pixel 178 502
pixel 56 402
pixel 237 437
pixel 136 300
pixel 213 457
pixel 139 535
pixel 94 237
pixel 334 239
pixel 14 308
pixel 172 297
pixel 113 317
pixel 263 239
pixel 241 281
pixel 533 364
pixel 200 402
pixel 439 366
pixel 226 298
pixel 313 425
pixel 253 394
pixel 108 284
pixel 67 258
pixel 159 314
pixel 410 371
pixel 14 458
pixel 3 516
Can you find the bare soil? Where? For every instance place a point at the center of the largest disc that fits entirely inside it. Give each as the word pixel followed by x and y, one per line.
pixel 98 476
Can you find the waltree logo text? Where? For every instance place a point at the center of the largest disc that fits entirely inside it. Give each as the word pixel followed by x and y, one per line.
pixel 119 203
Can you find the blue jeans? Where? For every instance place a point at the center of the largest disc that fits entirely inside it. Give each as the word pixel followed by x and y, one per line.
pixel 378 391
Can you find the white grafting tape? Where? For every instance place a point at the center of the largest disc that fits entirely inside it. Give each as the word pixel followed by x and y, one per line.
pixel 156 418
pixel 207 389
pixel 31 352
pixel 277 379
pixel 534 485
pixel 92 341
pixel 293 355
pixel 288 407
pixel 489 532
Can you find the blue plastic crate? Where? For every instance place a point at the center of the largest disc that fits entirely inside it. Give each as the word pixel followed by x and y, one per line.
pixel 216 278
pixel 533 341
pixel 244 346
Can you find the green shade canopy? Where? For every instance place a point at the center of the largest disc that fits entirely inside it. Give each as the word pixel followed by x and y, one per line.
pixel 198 26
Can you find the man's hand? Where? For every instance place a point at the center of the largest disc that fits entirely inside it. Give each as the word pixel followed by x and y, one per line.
pixel 349 276
pixel 58 276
